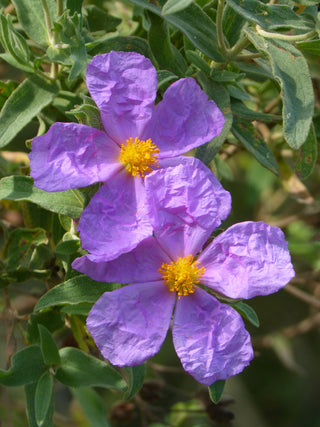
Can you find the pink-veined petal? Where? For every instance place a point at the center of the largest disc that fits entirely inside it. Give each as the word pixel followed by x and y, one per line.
pixel 210 338
pixel 139 265
pixel 184 119
pixel 124 86
pixel 115 220
pixel 247 260
pixel 130 324
pixel 71 155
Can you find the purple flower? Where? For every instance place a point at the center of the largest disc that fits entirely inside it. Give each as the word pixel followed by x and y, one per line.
pixel 168 272
pixel 137 138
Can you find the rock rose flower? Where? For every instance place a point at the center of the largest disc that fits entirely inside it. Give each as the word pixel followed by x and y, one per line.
pixel 137 138
pixel 169 272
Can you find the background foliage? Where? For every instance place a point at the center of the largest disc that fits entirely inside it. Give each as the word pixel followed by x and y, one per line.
pixel 259 61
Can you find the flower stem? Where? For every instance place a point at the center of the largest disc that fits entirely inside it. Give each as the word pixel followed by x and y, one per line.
pixel 220 37
pixel 286 37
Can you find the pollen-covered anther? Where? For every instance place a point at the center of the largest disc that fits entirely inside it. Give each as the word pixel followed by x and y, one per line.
pixel 182 276
pixel 138 156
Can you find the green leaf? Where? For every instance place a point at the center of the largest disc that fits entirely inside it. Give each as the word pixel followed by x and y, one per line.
pixel 308 155
pixel 216 390
pixel 87 114
pixel 30 391
pixel 31 16
pixel 69 245
pixel 6 89
pixel 74 6
pixel 239 109
pixel 125 44
pixel 100 20
pixel 48 347
pixel 79 369
pixel 20 250
pixel 92 405
pixel 290 69
pixel 167 55
pixel 232 24
pixel 253 141
pixel 173 6
pixel 21 188
pixel 76 290
pixel 269 17
pixel 165 78
pixel 221 97
pixel 30 97
pixel 81 309
pixel 247 312
pixel 136 379
pixel 26 367
pixel 51 319
pixel 14 42
pixel 194 23
pixel 195 59
pixel 43 399
pixel 312 47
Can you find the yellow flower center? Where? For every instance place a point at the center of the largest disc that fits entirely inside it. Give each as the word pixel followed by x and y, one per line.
pixel 182 276
pixel 137 156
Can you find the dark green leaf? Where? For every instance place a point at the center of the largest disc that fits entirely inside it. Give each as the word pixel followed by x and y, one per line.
pixel 216 390
pixel 194 23
pixel 30 391
pixel 87 114
pixel 253 141
pixel 232 24
pixel 100 20
pixel 6 89
pixel 69 245
pixel 51 319
pixel 173 6
pixel 221 97
pixel 20 249
pixel 21 188
pixel 225 76
pixel 77 290
pixel 79 369
pixel 74 6
pixel 136 379
pixel 48 347
pixel 81 309
pixel 14 42
pixel 43 399
pixel 247 312
pixel 290 69
pixel 92 405
pixel 312 47
pixel 167 56
pixel 165 78
pixel 239 109
pixel 32 18
pixel 125 44
pixel 30 97
pixel 26 367
pixel 308 155
pixel 195 59
pixel 269 17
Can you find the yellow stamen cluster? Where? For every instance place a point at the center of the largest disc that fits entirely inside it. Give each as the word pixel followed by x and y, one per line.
pixel 182 276
pixel 137 156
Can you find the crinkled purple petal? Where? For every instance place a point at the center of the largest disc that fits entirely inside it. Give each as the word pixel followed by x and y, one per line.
pixel 248 259
pixel 185 203
pixel 139 265
pixel 71 155
pixel 115 221
pixel 124 86
pixel 210 338
pixel 184 119
pixel 130 324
